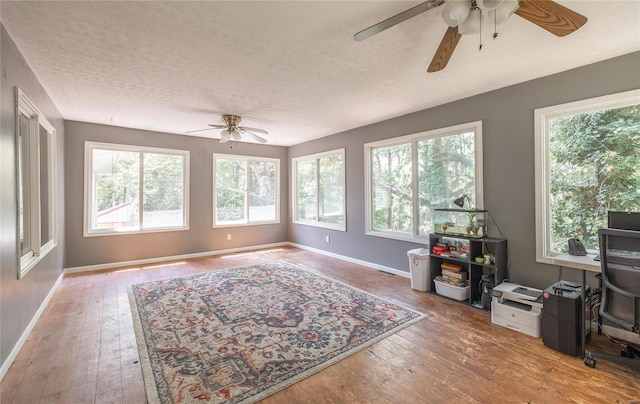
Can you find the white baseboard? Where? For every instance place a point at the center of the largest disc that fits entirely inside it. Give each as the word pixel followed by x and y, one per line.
pixel 121 264
pixel 147 261
pixel 354 260
pixel 23 338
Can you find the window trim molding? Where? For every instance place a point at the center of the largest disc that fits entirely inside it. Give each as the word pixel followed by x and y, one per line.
pixel 26 107
pixel 88 186
pixel 246 159
pixel 475 127
pixel 542 116
pixel 294 189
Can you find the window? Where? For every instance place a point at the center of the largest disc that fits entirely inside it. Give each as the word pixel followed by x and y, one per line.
pixel 587 162
pixel 409 176
pixel 318 190
pixel 35 146
pixel 135 189
pixel 246 190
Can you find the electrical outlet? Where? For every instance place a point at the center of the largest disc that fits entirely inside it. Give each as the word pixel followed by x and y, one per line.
pixel 229 236
pixel 328 239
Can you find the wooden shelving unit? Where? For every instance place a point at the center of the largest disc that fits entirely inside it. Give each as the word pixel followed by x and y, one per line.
pixel 477 247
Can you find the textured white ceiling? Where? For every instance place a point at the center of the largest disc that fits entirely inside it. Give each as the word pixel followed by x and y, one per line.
pixel 292 68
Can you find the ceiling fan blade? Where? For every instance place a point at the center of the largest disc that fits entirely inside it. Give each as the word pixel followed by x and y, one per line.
pixel 253 129
pixel 397 19
pixel 551 16
pixel 217 126
pixel 252 135
pixel 445 50
pixel 198 130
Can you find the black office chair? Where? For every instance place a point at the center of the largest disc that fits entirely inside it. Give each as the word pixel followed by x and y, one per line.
pixel 620 293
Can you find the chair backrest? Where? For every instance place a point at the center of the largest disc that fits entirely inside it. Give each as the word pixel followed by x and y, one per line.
pixel 620 265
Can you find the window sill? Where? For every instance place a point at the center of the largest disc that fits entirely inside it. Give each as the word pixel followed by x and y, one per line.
pixel 219 226
pixel 399 236
pixel 28 264
pixel 132 232
pixel 331 226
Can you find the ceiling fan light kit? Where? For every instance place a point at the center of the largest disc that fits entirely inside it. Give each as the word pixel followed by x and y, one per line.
pixel 455 12
pixel 232 130
pixel 465 17
pixel 471 24
pixel 467 14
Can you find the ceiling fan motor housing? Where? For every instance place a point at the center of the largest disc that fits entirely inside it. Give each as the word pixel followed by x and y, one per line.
pixel 231 120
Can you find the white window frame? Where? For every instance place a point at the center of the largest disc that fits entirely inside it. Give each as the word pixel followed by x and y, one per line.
pixel 32 182
pixel 475 127
pixel 88 186
pixel 247 159
pixel 294 188
pixel 542 117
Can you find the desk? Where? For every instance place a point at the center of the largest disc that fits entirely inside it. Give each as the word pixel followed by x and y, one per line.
pixel 584 263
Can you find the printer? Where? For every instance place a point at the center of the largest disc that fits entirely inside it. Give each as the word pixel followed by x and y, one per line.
pixel 517 307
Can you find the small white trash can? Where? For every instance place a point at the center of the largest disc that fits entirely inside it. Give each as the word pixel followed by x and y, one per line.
pixel 419 265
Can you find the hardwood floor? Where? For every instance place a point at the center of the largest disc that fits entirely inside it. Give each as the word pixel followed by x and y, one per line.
pixel 83 348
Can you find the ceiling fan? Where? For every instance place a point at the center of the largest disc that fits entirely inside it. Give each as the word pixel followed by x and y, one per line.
pixel 466 16
pixel 232 130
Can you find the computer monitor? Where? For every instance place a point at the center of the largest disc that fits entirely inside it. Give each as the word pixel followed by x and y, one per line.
pixel 623 220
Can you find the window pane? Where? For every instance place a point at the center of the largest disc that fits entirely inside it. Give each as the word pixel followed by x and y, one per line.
pixel 331 193
pixel 163 194
pixel 391 177
pixel 307 190
pixel 24 202
pixel 446 171
pixel 35 139
pixel 231 184
pixel 262 195
pixel 594 166
pixel 46 232
pixel 116 184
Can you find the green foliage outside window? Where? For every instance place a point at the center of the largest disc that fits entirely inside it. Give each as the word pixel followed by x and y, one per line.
pixel 245 191
pixel 319 192
pixel 163 182
pixel 331 189
pixel 392 198
pixel 307 188
pixel 116 185
pixel 594 167
pixel 446 171
pixel 231 184
pixel 445 168
pixel 118 192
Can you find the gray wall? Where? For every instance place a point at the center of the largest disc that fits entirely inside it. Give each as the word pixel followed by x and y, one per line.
pixel 20 299
pixel 508 143
pixel 200 237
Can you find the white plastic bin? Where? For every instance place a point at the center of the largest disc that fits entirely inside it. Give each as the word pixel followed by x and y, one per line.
pixel 419 265
pixel 454 292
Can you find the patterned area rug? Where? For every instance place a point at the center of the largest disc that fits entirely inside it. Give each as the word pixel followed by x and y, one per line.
pixel 239 335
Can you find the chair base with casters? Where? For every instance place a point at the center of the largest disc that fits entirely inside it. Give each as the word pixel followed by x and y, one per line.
pixel 628 356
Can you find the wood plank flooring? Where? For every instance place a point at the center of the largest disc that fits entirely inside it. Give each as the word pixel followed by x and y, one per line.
pixel 83 348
